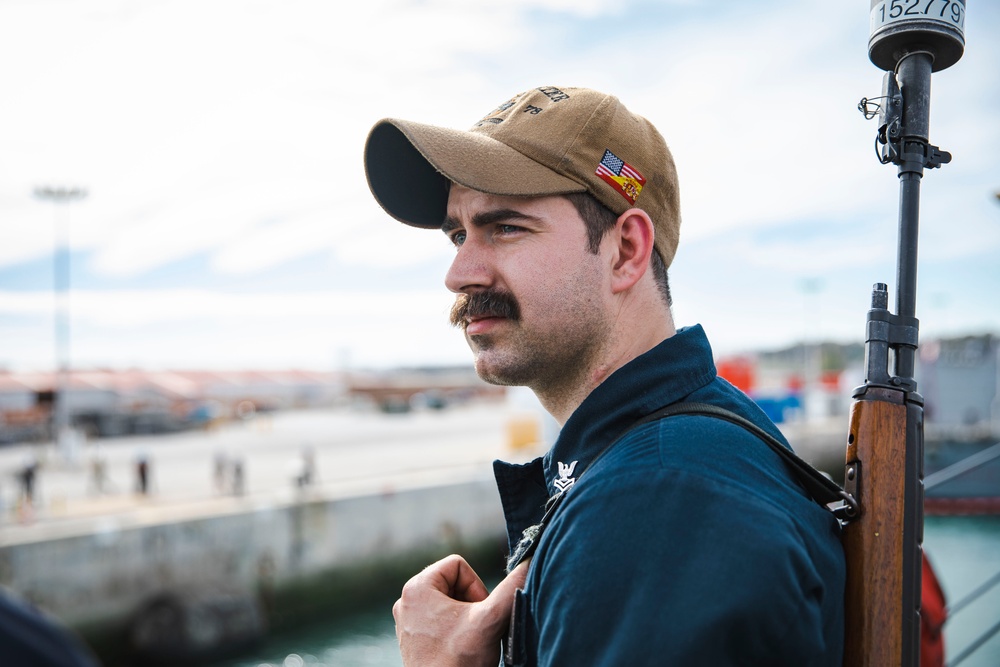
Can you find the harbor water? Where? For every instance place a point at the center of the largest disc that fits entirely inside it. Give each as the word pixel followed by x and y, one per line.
pixel 965 552
pixel 364 639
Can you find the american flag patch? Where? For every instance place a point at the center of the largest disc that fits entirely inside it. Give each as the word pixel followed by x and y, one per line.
pixel 620 175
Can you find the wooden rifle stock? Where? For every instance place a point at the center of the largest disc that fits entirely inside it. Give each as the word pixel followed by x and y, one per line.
pixel 882 546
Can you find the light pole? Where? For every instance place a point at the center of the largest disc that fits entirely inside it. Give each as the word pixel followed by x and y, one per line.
pixel 61 274
pixel 811 364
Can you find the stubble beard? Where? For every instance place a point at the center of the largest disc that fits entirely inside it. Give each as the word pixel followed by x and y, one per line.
pixel 552 363
pixel 489 303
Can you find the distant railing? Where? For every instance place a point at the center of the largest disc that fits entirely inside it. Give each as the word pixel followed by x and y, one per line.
pixel 967 464
pixel 938 478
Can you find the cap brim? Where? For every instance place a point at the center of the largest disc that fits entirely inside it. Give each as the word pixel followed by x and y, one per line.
pixel 409 166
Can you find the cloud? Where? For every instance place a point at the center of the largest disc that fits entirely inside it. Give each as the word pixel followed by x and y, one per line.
pixel 173 328
pixel 232 132
pixel 196 135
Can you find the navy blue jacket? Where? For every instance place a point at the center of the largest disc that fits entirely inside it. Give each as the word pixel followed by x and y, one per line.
pixel 687 543
pixel 31 638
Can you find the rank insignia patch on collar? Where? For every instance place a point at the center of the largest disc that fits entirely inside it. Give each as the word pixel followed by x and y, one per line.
pixel 565 479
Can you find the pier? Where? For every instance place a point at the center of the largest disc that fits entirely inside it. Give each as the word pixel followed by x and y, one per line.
pixel 331 503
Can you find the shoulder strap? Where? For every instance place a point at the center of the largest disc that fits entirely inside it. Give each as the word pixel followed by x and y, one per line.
pixel 821 488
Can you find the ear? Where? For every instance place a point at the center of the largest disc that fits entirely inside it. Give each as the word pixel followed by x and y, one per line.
pixel 633 236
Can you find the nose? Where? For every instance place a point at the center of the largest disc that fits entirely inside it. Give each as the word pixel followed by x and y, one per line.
pixel 470 269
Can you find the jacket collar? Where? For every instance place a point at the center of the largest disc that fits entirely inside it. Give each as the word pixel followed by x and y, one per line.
pixel 670 371
pixel 666 374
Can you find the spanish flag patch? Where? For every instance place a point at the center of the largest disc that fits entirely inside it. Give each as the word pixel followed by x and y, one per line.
pixel 620 175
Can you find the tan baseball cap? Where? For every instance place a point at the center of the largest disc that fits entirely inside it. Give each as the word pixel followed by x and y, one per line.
pixel 547 141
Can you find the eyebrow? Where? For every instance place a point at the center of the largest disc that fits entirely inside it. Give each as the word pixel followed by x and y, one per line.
pixel 485 218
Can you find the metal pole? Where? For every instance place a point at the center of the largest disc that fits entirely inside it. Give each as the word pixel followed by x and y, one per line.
pixel 61 432
pixel 913 73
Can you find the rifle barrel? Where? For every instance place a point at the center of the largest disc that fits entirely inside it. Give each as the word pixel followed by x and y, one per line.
pixel 914 76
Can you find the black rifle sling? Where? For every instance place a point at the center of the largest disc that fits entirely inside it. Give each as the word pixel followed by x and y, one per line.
pixel 820 488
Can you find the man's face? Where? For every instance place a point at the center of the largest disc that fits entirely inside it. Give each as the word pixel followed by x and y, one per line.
pixel 533 300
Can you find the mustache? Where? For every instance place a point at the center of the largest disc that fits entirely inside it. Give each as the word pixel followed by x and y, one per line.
pixel 490 303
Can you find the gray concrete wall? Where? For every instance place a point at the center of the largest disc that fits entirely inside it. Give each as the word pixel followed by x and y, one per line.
pixel 105 576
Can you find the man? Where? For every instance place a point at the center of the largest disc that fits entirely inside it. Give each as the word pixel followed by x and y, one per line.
pixel 32 638
pixel 688 541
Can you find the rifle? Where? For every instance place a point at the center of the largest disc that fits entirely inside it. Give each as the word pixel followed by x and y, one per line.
pixel 910 39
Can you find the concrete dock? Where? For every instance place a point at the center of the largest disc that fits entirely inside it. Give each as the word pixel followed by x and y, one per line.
pixel 352 450
pixel 387 493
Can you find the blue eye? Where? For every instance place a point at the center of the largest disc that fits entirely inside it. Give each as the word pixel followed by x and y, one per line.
pixel 458 238
pixel 509 229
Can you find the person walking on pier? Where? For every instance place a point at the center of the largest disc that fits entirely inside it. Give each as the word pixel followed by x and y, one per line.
pixel 683 540
pixel 142 473
pixel 238 475
pixel 28 476
pixel 220 469
pixel 99 482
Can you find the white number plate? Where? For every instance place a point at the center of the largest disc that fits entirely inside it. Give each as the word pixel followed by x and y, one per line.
pixel 949 12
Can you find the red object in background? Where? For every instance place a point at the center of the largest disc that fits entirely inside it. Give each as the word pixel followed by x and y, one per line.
pixel 933 614
pixel 830 380
pixel 738 371
pixel 795 384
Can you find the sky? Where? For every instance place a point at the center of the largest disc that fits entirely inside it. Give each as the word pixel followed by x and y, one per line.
pixel 227 222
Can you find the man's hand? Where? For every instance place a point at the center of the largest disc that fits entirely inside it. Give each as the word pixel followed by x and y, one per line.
pixel 447 618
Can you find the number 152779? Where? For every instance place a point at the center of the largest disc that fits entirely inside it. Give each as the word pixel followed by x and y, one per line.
pixel 949 12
